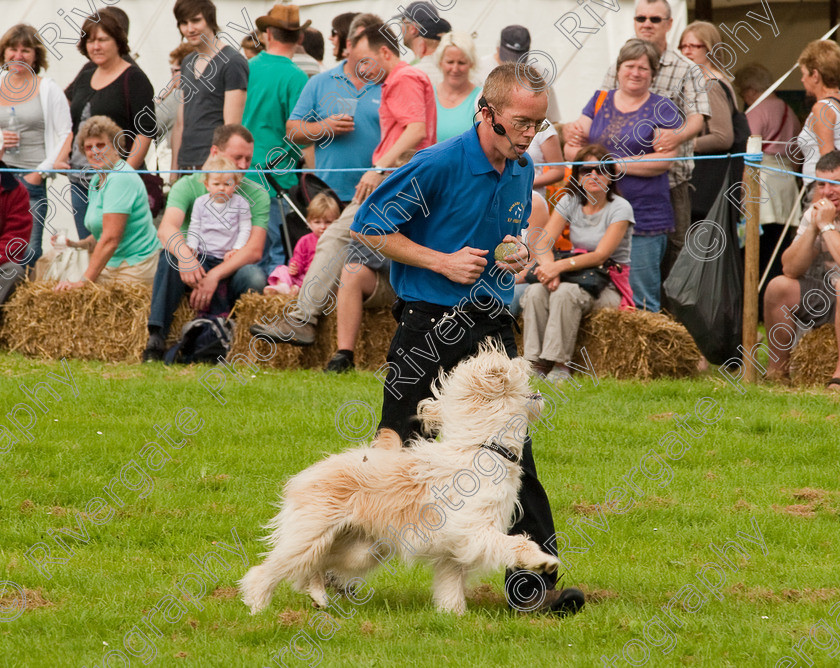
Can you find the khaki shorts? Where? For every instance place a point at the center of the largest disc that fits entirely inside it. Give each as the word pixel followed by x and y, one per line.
pixel 383 294
pixel 142 272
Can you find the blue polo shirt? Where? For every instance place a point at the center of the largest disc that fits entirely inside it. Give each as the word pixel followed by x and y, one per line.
pixel 324 95
pixel 447 197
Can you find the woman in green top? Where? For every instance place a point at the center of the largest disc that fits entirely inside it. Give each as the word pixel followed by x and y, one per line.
pixel 123 242
pixel 456 95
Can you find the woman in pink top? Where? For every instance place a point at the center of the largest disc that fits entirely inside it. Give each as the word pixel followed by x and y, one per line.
pixel 287 279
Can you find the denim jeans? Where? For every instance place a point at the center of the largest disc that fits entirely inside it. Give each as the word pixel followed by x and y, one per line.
pixel 168 289
pixel 79 200
pixel 38 207
pixel 274 253
pixel 646 255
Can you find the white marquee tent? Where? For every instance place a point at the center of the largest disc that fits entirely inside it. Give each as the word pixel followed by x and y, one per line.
pixel 577 71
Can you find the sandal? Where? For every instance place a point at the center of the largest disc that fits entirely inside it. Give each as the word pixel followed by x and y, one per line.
pixel 833 385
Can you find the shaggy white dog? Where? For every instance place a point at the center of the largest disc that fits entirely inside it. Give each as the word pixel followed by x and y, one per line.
pixel 448 502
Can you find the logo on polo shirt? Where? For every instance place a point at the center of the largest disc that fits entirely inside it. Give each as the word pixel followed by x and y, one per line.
pixel 515 210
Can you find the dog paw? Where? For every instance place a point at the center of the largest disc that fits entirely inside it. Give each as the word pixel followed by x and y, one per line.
pixel 548 564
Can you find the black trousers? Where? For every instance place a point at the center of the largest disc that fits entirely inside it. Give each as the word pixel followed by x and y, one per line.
pixel 422 346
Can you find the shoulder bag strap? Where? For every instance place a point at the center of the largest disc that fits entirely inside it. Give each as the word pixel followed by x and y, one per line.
pixel 602 95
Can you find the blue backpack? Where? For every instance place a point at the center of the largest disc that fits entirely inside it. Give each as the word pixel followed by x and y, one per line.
pixel 202 340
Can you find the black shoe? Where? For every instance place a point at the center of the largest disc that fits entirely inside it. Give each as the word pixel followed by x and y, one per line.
pixel 155 348
pixel 340 363
pixel 568 601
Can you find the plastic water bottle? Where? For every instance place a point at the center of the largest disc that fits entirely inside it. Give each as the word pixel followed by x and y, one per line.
pixel 13 127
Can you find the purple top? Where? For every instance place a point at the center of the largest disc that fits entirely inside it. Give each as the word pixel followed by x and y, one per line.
pixel 631 135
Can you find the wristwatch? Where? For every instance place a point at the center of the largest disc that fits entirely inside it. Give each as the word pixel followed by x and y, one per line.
pixel 380 170
pixel 826 228
pixel 572 262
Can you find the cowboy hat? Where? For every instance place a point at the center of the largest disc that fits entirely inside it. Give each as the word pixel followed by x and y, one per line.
pixel 286 17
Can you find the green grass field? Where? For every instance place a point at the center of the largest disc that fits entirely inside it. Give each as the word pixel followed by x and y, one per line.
pixel 764 473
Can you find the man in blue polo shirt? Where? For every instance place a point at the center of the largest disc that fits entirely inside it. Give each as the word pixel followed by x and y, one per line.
pixel 339 112
pixel 439 218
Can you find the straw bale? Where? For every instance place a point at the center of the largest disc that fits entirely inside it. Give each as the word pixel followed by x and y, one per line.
pixel 183 314
pixel 253 308
pixel 814 358
pixel 637 344
pixel 92 322
pixel 374 336
pixel 104 322
pixel 378 327
pixel 319 353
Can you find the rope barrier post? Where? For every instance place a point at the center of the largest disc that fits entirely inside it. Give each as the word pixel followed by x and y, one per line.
pixel 752 206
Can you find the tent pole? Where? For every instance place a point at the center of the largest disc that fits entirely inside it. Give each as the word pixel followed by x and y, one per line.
pixel 752 206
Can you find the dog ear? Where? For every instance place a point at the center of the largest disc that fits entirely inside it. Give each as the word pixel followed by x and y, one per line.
pixel 430 414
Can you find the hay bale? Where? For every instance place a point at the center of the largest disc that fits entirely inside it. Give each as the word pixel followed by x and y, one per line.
pixel 104 322
pixel 378 327
pixel 252 308
pixel 374 336
pixel 814 358
pixel 183 314
pixel 319 353
pixel 637 344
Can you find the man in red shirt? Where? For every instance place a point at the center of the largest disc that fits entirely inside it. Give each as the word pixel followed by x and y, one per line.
pixel 408 113
pixel 15 230
pixel 408 121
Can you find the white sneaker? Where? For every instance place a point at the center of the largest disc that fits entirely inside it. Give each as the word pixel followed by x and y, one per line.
pixel 557 375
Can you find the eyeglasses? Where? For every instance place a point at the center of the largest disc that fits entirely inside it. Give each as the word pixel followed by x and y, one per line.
pixel 685 47
pixel 653 19
pixel 522 126
pixel 333 33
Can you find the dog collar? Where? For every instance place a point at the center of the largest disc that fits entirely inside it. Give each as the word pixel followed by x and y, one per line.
pixel 501 450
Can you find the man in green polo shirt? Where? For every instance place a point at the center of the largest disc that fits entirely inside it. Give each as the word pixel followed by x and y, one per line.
pixel 274 86
pixel 178 270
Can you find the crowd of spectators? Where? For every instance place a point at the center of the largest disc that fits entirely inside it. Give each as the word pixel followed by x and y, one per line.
pixel 401 85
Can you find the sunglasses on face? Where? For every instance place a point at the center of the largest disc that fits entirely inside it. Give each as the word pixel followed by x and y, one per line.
pixel 590 169
pixel 653 19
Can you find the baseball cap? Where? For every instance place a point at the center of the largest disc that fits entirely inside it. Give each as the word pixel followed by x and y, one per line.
pixel 516 41
pixel 426 16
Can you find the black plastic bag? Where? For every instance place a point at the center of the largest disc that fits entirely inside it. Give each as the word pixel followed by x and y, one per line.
pixel 705 288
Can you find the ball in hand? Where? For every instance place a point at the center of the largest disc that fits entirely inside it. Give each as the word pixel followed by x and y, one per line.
pixel 503 250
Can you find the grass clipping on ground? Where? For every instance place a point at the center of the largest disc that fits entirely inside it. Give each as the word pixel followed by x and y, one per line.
pixel 637 344
pixel 813 359
pixel 102 322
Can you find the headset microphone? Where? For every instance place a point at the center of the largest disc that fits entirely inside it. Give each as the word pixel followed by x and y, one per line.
pixel 499 129
pixel 522 161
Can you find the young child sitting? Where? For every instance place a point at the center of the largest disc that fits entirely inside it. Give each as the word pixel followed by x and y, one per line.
pixel 221 220
pixel 322 211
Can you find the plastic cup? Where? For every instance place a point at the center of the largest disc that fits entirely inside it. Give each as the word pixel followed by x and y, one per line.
pixel 347 105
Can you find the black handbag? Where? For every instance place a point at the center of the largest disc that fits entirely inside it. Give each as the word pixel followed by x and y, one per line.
pixel 591 279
